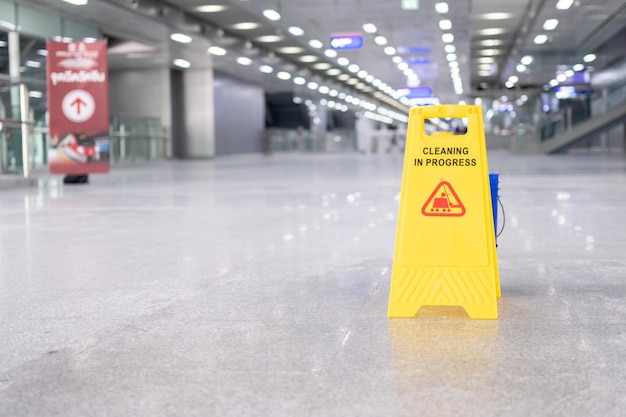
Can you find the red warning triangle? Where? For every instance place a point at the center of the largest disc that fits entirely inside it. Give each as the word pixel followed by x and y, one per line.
pixel 443 202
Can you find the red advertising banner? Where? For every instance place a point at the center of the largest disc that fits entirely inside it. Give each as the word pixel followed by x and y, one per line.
pixel 78 107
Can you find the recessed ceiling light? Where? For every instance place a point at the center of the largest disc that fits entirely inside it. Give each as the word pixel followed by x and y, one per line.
pixel 269 38
pixel 578 67
pixel 271 14
pixel 396 59
pixel 317 44
pixel 343 77
pixel 244 60
pixel 331 53
pixel 324 89
pixel 550 24
pixel 540 39
pixel 445 24
pixel 380 40
pixel 564 4
pixel 353 68
pixel 521 67
pixel 441 7
pixel 299 81
pixel 296 31
pixel 369 28
pixel 245 26
pixel 450 49
pixel 333 71
pixel 527 60
pixel 589 58
pixel 343 61
pixel 308 58
pixel 447 37
pixel 390 50
pixel 210 8
pixel 283 75
pixel 485 59
pixel 322 66
pixel 489 52
pixel 451 57
pixel 180 37
pixel 312 85
pixel 182 63
pixel 402 66
pixel 216 50
pixel 290 50
pixel 266 69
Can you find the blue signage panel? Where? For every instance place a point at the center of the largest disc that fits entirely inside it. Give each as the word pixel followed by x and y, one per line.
pixel 353 41
pixel 416 92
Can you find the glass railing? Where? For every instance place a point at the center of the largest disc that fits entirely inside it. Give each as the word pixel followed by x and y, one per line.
pixel 137 138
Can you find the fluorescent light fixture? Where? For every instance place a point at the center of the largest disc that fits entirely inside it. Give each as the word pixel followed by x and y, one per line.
pixel 380 40
pixel 489 52
pixel 271 14
pixel 447 37
pixel 486 60
pixel 182 63
pixel 245 26
pixel 283 75
pixel 445 24
pixel 540 39
pixel 550 24
pixel 308 58
pixel 491 31
pixel 343 61
pixel 564 4
pixel 315 43
pixel 441 7
pixel 33 64
pixel 299 81
pixel 180 37
pixel 331 53
pixel 296 31
pixel 497 16
pixel 269 38
pixel 578 67
pixel 527 59
pixel 210 8
pixel 491 42
pixel 77 2
pixel 589 58
pixel 369 28
pixel 390 50
pixel 266 69
pixel 244 60
pixel 290 50
pixel 216 50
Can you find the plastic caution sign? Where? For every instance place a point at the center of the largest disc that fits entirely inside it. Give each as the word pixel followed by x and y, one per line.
pixel 445 251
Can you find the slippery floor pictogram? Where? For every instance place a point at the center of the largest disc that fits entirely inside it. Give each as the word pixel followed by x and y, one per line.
pixel 443 202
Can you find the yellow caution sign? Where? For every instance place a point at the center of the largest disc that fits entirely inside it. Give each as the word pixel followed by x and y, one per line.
pixel 445 251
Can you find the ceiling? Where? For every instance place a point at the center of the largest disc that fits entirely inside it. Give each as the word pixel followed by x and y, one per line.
pixel 490 38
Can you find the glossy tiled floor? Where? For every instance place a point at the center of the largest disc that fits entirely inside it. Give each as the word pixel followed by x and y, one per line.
pixel 257 286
